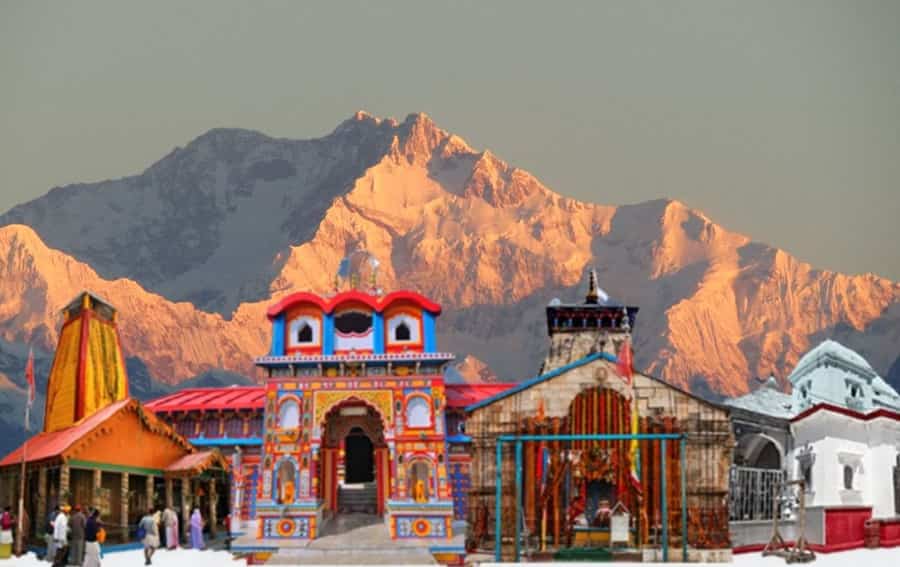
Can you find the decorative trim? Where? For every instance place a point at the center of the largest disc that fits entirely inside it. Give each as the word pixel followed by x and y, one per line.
pixel 91 465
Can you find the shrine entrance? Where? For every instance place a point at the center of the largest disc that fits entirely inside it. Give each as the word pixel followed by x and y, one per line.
pixel 359 458
pixel 354 472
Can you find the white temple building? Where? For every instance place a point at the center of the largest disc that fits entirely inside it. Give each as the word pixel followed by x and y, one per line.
pixel 838 430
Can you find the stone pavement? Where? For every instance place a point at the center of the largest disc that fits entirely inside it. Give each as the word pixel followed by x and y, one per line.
pixel 352 539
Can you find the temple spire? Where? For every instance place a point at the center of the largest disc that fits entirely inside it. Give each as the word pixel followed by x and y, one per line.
pixel 593 294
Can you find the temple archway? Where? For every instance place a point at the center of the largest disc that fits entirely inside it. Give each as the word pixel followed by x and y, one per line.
pixel 354 463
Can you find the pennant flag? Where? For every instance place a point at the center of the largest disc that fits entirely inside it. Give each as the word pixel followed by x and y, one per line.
pixel 29 376
pixel 624 364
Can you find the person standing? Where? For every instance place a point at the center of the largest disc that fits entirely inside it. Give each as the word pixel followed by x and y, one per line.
pixel 91 540
pixel 197 530
pixel 170 526
pixel 7 521
pixel 61 536
pixel 48 534
pixel 76 537
pixel 151 536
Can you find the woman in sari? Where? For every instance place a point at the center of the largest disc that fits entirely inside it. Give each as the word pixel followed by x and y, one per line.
pixel 196 529
pixel 170 526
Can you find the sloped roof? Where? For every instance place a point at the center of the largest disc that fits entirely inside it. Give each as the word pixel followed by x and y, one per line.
pixel 766 400
pixel 55 444
pixel 210 399
pixel 462 395
pixel 195 463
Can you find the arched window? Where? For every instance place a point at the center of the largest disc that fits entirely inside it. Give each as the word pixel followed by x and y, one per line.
pixel 305 334
pixel 848 477
pixel 419 483
pixel 418 412
pixel 289 415
pixel 402 332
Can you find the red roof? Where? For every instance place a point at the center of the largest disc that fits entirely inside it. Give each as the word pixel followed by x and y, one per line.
pixel 210 399
pixel 462 395
pixel 328 304
pixel 201 460
pixel 49 445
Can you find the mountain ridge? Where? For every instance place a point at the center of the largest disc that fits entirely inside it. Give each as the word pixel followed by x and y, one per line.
pixel 213 232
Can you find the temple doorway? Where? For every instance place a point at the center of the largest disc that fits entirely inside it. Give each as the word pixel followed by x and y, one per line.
pixel 359 457
pixel 354 471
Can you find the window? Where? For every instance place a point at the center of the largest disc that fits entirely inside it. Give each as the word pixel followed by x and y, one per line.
pixel 186 428
pixel 848 477
pixel 255 428
pixel 418 412
pixel 211 426
pixel 234 427
pixel 402 332
pixel 289 415
pixel 305 334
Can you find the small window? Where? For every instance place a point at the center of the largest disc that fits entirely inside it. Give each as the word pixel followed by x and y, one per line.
pixel 418 412
pixel 402 332
pixel 848 477
pixel 803 392
pixel 289 415
pixel 305 334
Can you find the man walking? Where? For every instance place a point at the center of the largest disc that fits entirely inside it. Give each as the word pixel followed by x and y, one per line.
pixel 151 536
pixel 76 537
pixel 48 535
pixel 61 536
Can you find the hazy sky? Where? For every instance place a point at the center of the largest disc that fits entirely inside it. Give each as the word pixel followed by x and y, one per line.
pixel 780 120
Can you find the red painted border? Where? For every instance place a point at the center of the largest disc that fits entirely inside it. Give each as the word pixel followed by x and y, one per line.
pixel 847 412
pixel 378 304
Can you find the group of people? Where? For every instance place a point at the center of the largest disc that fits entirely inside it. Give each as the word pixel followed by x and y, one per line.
pixel 160 529
pixel 74 537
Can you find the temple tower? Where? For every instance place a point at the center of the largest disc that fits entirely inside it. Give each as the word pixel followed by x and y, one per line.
pixel 578 330
pixel 88 371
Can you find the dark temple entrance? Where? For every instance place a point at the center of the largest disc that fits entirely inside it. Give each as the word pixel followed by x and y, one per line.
pixel 359 457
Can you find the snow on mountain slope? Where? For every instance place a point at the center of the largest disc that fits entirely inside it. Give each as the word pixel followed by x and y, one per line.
pixel 237 220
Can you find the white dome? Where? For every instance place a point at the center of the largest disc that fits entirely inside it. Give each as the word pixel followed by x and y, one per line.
pixel 833 349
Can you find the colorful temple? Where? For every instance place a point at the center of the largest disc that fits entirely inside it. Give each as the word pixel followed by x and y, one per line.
pixel 100 448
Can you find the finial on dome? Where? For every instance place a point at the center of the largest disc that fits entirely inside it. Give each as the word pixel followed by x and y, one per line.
pixel 593 294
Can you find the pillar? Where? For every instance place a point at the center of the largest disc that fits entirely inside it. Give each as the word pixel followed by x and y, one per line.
pixel 213 497
pixel 151 501
pixel 64 496
pixel 123 492
pixel 170 497
pixel 42 511
pixel 186 507
pixel 96 487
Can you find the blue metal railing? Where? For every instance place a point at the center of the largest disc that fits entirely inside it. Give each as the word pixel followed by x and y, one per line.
pixel 520 439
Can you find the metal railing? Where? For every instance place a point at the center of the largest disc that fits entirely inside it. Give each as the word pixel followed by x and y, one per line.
pixel 752 491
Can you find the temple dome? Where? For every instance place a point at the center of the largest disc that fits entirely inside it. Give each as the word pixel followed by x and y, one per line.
pixel 829 349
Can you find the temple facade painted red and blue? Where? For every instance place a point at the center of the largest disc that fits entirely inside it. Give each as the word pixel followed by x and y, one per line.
pixel 354 417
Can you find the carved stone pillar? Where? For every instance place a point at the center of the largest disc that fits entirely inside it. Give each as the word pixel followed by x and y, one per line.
pixel 123 491
pixel 64 495
pixel 96 488
pixel 186 507
pixel 42 511
pixel 151 493
pixel 213 497
pixel 170 497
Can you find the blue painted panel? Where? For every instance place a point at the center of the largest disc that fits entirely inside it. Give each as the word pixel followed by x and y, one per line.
pixel 430 338
pixel 328 334
pixel 278 336
pixel 378 333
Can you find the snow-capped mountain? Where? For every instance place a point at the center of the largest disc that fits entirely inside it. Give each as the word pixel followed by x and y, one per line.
pixel 192 250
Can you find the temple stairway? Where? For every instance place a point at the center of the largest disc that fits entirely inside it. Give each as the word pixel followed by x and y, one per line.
pixel 361 498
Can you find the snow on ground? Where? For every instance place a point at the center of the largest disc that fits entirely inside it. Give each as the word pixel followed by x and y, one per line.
pixel 191 558
pixel 180 557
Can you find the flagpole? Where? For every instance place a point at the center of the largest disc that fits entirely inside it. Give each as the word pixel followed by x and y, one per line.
pixel 21 514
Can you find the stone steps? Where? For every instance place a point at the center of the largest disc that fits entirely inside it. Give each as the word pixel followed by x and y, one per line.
pixel 361 498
